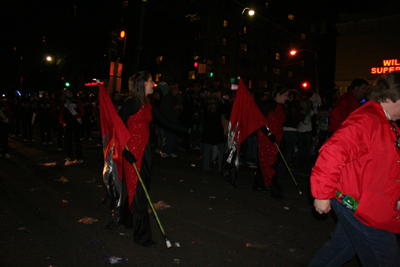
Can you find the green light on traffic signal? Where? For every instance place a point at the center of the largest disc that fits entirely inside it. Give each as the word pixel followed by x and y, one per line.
pixel 67 84
pixel 211 74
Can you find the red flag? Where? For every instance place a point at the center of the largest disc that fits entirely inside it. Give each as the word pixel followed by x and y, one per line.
pixel 111 124
pixel 245 114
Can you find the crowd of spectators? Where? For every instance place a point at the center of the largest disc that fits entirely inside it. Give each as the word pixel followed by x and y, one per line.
pixel 205 108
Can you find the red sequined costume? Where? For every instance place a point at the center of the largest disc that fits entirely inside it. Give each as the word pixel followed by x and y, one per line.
pixel 137 118
pixel 267 151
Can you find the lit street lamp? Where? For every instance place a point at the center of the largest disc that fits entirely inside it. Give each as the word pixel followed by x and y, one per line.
pixel 294 52
pixel 48 58
pixel 251 13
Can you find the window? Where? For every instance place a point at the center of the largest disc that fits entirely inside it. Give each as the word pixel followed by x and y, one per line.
pixel 159 59
pixel 266 4
pixel 225 23
pixel 194 18
pixel 192 75
pixel 195 57
pixel 290 73
pixel 224 41
pixel 265 68
pixel 157 78
pixel 291 16
pixel 277 56
pixel 303 36
pixel 263 84
pixel 243 46
pixel 244 29
pixel 277 71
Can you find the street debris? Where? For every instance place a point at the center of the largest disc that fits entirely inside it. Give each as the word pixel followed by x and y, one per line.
pixel 292 250
pixel 48 164
pixel 193 165
pixel 35 189
pixel 62 180
pixel 65 201
pixel 123 234
pixel 260 246
pixel 91 181
pixel 213 197
pixel 176 261
pixel 21 228
pixel 177 245
pixel 286 208
pixel 160 205
pixel 71 162
pixel 87 220
pixel 114 260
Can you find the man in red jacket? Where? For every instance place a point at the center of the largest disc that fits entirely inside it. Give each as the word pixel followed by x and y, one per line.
pixel 362 160
pixel 347 103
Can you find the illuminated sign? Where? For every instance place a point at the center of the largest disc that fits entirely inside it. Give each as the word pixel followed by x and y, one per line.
pixel 389 65
pixel 93 83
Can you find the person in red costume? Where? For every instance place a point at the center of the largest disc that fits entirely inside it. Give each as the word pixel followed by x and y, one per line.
pixel 362 160
pixel 266 175
pixel 137 112
pixel 347 103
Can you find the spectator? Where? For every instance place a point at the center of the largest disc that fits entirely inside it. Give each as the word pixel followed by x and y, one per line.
pixel 347 103
pixel 213 131
pixel 26 117
pixel 71 114
pixel 172 107
pixel 304 132
pixel 5 118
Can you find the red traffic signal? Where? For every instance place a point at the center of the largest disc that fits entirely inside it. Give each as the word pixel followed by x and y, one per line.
pixel 305 85
pixel 196 64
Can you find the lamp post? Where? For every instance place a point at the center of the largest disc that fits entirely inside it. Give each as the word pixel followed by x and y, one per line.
pixel 294 52
pixel 251 13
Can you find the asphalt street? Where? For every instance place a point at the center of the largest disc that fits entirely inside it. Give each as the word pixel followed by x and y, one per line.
pixel 209 222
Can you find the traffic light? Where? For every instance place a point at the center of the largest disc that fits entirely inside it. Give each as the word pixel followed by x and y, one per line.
pixel 121 43
pixel 196 64
pixel 305 85
pixel 67 84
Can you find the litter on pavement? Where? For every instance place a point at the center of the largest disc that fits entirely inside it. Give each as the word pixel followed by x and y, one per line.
pixel 62 180
pixel 114 260
pixel 35 189
pixel 91 181
pixel 87 220
pixel 48 164
pixel 260 246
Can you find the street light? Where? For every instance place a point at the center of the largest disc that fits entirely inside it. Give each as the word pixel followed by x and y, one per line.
pixel 251 13
pixel 48 58
pixel 294 52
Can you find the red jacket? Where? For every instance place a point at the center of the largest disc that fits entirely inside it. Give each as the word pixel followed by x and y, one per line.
pixel 345 105
pixel 362 160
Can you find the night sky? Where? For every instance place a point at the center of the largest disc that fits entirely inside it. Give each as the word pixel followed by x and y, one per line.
pixel 79 35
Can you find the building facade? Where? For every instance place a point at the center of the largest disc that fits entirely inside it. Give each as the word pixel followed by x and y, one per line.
pixel 367 44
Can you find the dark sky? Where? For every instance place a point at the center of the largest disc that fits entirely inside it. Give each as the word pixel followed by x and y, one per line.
pixel 83 32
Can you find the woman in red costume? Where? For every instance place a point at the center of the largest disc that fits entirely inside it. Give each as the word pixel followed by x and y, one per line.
pixel 266 175
pixel 137 113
